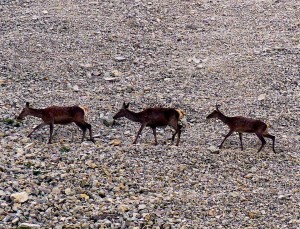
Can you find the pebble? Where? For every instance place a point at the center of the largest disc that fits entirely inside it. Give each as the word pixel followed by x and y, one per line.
pixel 28 226
pixel 108 121
pixel 213 149
pixel 120 58
pixel 76 88
pixel 142 206
pixel 19 197
pixel 261 97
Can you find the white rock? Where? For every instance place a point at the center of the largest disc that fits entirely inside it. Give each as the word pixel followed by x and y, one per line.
pixel 213 149
pixel 110 79
pixel 75 88
pixel 2 193
pixel 68 191
pixel 196 60
pixel 116 73
pixel 142 206
pixel 261 97
pixel 120 58
pixel 20 151
pixel 28 225
pixel 19 197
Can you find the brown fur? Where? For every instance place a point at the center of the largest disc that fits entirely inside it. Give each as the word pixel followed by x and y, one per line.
pixel 58 115
pixel 153 117
pixel 243 125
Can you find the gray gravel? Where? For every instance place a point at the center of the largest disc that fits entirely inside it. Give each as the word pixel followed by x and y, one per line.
pixel 243 55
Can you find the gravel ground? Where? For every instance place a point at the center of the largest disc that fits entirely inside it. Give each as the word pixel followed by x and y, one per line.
pixel 190 55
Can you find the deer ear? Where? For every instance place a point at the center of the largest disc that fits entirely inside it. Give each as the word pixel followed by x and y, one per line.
pixel 27 104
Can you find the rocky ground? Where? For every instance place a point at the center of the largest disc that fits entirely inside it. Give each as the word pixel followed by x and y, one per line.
pixel 191 55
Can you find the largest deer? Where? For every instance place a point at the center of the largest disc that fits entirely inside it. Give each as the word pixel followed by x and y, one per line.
pixel 153 117
pixel 243 125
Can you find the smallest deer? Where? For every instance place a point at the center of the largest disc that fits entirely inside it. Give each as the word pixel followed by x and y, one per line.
pixel 58 115
pixel 154 117
pixel 243 125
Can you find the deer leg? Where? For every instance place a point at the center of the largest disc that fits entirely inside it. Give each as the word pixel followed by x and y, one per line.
pixel 91 135
pixel 227 135
pixel 83 127
pixel 176 127
pixel 154 133
pixel 51 133
pixel 273 140
pixel 36 128
pixel 173 136
pixel 240 135
pixel 179 133
pixel 139 132
pixel 263 141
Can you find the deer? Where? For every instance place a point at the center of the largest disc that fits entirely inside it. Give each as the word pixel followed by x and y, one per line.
pixel 58 115
pixel 243 125
pixel 153 117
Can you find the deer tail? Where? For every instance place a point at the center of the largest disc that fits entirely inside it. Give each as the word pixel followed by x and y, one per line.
pixel 85 111
pixel 181 113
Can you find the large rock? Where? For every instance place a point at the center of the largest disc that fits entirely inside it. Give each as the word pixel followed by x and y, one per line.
pixel 19 197
pixel 28 226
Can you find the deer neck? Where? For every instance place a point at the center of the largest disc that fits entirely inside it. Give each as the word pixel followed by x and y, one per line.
pixel 224 118
pixel 36 112
pixel 135 117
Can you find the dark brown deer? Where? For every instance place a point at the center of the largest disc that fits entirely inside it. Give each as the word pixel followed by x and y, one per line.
pixel 243 125
pixel 58 115
pixel 154 117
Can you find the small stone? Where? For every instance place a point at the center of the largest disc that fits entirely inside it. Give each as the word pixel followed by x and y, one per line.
pixel 96 73
pixel 116 73
pixel 20 151
pixel 196 60
pixel 68 191
pixel 111 79
pixel 253 169
pixel 115 142
pixel 19 197
pixel 25 140
pixel 76 88
pixel 16 206
pixel 2 193
pixel 251 215
pixel 15 220
pixel 213 150
pixel 56 190
pixel 199 66
pixel 123 208
pixel 84 196
pixel 234 194
pixel 261 97
pixel 212 212
pixel 142 206
pixel 108 121
pixel 120 58
pixel 28 226
pixel 85 65
pixel 249 175
pixel 106 74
